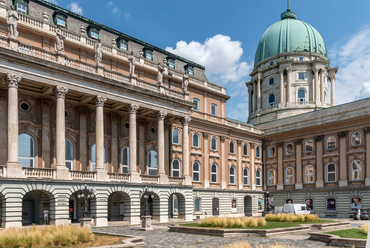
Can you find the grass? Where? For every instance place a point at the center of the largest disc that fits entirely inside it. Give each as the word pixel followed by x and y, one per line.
pixel 283 217
pixel 229 222
pixel 354 233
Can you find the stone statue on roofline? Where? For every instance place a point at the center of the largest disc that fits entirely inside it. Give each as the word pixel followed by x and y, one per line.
pixel 160 74
pixel 12 22
pixel 132 60
pixel 185 82
pixel 98 52
pixel 59 41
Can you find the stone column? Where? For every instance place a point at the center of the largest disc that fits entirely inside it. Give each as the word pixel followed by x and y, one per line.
pixel 45 103
pixel 319 166
pixel 83 138
pixel 14 169
pixel 62 171
pixel 254 96
pixel 161 172
pixel 114 142
pixel 223 163
pixel 135 176
pixel 322 86
pixel 259 102
pixel 367 169
pixel 281 75
pixel 239 164
pixel 289 85
pixel 99 145
pixel 298 148
pixel 185 150
pixel 343 173
pixel 280 170
pixel 317 86
pixel 142 157
pixel 206 165
pixel 332 90
pixel 252 172
pixel 250 103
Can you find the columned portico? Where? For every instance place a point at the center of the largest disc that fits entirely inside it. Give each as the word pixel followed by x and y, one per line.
pixel 135 177
pixel 185 149
pixel 99 103
pixel 161 172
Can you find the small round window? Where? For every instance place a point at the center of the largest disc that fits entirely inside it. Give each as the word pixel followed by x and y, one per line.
pixel 153 130
pixel 66 114
pixel 272 63
pixel 301 58
pixel 127 125
pixel 24 106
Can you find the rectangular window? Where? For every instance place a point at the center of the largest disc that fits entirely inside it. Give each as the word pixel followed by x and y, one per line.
pixel 196 107
pixel 271 81
pixel 123 46
pixel 148 55
pixel 61 22
pixel 21 8
pixel 197 207
pixel 94 35
pixel 213 109
pixel 190 71
pixel 171 63
pixel 301 76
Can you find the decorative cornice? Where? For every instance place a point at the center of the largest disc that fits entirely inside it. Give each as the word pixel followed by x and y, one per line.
pixel 280 144
pixel 319 137
pixel 13 80
pixel 46 103
pixel 342 134
pixel 161 115
pixel 133 108
pixel 205 135
pixel 298 141
pixel 100 100
pixel 367 129
pixel 60 91
pixel 185 121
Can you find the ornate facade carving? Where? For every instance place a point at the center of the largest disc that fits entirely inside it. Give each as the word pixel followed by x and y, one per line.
pixel 100 100
pixel 60 91
pixel 185 82
pixel 59 41
pixel 12 22
pixel 240 142
pixel 298 141
pixel 280 144
pixel 46 103
pixel 185 121
pixel 132 60
pixel 342 134
pixel 319 137
pixel 13 80
pixel 367 129
pixel 98 48
pixel 161 115
pixel 222 138
pixel 253 145
pixel 205 135
pixel 82 110
pixel 160 74
pixel 133 108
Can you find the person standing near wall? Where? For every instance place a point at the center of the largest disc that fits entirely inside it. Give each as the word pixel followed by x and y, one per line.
pixel 46 216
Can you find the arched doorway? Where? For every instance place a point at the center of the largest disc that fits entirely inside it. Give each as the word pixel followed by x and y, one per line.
pixel 176 206
pixel 33 205
pixel 248 205
pixel 77 205
pixel 119 206
pixel 154 207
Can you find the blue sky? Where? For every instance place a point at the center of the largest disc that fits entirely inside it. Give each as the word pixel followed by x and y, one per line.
pixel 223 36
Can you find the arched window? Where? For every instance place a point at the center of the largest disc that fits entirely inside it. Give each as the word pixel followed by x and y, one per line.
pixel 196 101
pixel 308 146
pixel 213 109
pixel 245 149
pixel 214 143
pixel 176 168
pixel 152 163
pixel 258 152
pixel 175 137
pixel 331 173
pixel 196 171
pixel 308 174
pixel 26 150
pixel 289 176
pixel 232 147
pixel 331 143
pixel 196 140
pixel 301 96
pixel 271 100
pixel 356 139
pixel 69 154
pixel 246 176
pixel 289 149
pixel 258 177
pixel 214 173
pixel 232 175
pixel 271 152
pixel 356 170
pixel 93 158
pixel 271 177
pixel 125 159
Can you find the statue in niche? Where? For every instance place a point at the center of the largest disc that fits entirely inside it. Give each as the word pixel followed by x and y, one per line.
pixel 12 22
pixel 98 52
pixel 160 74
pixel 132 60
pixel 59 41
pixel 185 82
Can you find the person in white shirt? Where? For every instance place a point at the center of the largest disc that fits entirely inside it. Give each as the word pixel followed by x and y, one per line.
pixel 46 216
pixel 359 214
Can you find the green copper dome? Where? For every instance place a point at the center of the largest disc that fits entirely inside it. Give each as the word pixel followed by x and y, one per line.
pixel 289 35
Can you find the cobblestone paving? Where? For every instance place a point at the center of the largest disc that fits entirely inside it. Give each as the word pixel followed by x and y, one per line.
pixel 160 237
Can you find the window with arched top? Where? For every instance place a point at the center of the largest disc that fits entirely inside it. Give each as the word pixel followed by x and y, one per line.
pixel 271 152
pixel 176 168
pixel 232 175
pixel 331 173
pixel 289 176
pixel 214 173
pixel 214 143
pixel 26 150
pixel 308 174
pixel 271 175
pixel 289 149
pixel 152 162
pixel 258 152
pixel 308 146
pixel 245 149
pixel 356 139
pixel 331 143
pixel 272 101
pixel 125 160
pixel 232 147
pixel 69 154
pixel 356 170
pixel 258 177
pixel 196 140
pixel 246 176
pixel 196 171
pixel 301 96
pixel 93 158
pixel 175 136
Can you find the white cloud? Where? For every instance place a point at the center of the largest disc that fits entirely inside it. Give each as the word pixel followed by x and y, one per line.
pixel 353 59
pixel 127 15
pixel 115 10
pixel 74 7
pixel 52 1
pixel 110 3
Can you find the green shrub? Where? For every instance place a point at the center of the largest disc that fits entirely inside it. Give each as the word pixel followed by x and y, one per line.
pixel 365 228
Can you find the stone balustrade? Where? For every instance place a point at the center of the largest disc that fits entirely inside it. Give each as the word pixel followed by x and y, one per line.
pixel 39 172
pixel 83 175
pixel 121 177
pixel 176 180
pixel 149 179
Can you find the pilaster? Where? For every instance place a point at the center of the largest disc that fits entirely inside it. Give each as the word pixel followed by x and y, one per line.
pixel 367 169
pixel 185 149
pixel 280 171
pixel 319 162
pixel 343 171
pixel 298 149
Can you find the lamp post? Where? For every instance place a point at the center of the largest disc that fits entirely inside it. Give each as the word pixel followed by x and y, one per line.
pixel 267 201
pixel 146 218
pixel 86 194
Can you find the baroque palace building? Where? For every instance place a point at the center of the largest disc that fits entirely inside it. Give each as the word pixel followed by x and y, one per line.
pixel 83 104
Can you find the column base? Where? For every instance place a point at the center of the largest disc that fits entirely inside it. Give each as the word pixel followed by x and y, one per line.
pixel 253 186
pixel 15 224
pixel 101 222
pixel 319 184
pixel 163 179
pixel 135 177
pixel 133 80
pixel 299 186
pixel 223 185
pixel 59 222
pixel 146 223
pixel 85 222
pixel 101 175
pixel 343 183
pixel 367 181
pixel 280 186
pixel 14 169
pixel 188 180
pixel 62 172
pixel 206 184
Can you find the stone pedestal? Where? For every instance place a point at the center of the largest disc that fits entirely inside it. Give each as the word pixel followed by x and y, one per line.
pixel 62 172
pixel 206 184
pixel 13 44
pixel 135 177
pixel 101 221
pixel 280 186
pixel 133 80
pixel 101 175
pixel 14 170
pixel 188 180
pixel 85 222
pixel 163 179
pixel 298 186
pixel 100 70
pixel 146 223
pixel 223 185
pixel 175 215
pixel 161 89
pixel 319 184
pixel 240 186
pixel 343 183
pixel 61 58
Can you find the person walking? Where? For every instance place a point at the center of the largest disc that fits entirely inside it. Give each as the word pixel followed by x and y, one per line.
pixel 46 216
pixel 358 214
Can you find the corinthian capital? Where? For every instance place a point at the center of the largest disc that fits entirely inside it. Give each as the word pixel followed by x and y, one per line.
pixel 161 115
pixel 100 100
pixel 60 91
pixel 133 108
pixel 185 121
pixel 13 80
